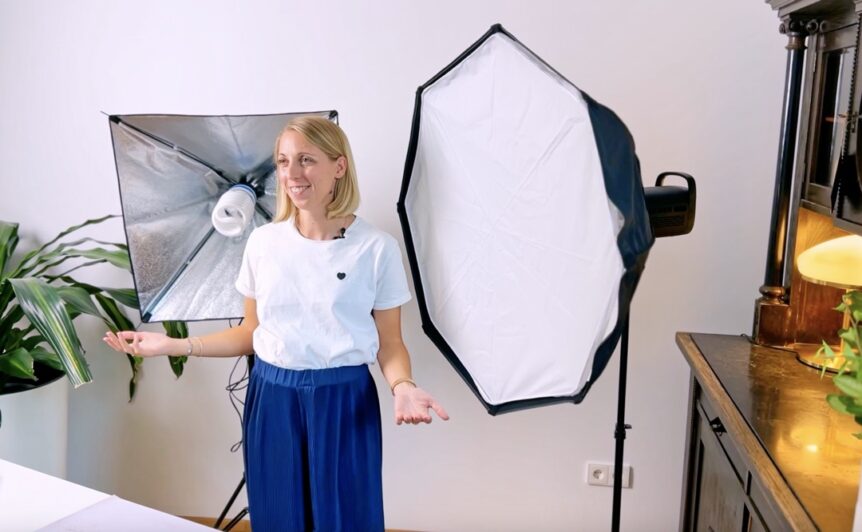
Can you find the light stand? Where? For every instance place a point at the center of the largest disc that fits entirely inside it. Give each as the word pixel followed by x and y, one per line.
pixel 671 213
pixel 242 513
pixel 620 431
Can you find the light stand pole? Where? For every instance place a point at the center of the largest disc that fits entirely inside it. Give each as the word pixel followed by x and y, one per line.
pixel 621 427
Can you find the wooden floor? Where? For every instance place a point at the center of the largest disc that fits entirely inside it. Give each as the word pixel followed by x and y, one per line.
pixel 244 526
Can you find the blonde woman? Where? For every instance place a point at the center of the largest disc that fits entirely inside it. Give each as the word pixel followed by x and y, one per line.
pixel 323 290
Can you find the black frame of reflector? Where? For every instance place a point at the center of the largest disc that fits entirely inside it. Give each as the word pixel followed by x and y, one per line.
pixel 633 247
pixel 118 119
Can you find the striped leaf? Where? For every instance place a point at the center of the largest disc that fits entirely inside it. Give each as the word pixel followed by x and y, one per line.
pixel 8 241
pixel 46 311
pixel 68 231
pixel 124 296
pixel 59 254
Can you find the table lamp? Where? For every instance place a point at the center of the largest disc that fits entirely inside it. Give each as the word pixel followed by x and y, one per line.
pixel 836 263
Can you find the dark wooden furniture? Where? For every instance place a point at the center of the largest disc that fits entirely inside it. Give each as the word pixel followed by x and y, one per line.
pixel 818 180
pixel 764 451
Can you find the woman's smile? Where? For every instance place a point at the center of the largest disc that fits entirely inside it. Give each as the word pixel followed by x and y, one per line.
pixel 298 190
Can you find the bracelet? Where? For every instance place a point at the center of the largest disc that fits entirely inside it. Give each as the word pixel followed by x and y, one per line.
pixel 399 381
pixel 194 341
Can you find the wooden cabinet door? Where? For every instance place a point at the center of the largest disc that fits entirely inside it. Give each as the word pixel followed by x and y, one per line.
pixel 720 505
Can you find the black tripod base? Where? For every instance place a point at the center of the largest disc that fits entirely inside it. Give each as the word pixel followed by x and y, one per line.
pixel 233 522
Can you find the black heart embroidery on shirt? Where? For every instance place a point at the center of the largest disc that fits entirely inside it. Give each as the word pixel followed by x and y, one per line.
pixel 341 275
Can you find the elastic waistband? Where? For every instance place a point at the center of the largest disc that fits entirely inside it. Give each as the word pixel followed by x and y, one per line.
pixel 307 377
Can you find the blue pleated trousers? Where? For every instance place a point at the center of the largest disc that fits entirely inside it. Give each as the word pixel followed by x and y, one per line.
pixel 312 449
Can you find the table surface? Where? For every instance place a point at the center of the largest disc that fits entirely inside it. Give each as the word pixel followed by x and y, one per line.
pixel 784 404
pixel 30 500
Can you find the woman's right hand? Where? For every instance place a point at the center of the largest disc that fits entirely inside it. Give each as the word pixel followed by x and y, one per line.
pixel 144 344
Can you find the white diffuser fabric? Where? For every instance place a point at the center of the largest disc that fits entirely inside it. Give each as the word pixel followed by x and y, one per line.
pixel 514 234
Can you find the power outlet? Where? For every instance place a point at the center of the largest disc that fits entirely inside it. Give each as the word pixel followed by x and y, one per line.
pixel 603 475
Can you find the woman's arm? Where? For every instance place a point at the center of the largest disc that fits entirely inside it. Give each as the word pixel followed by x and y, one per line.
pixel 235 341
pixel 393 357
pixel 411 402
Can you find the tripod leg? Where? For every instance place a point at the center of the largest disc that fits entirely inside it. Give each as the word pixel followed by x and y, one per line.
pixel 236 520
pixel 230 503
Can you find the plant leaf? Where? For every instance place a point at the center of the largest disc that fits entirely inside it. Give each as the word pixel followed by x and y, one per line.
pixel 837 402
pixel 848 385
pixel 177 329
pixel 8 242
pixel 17 363
pixel 69 230
pixel 844 404
pixel 79 299
pixel 119 322
pixel 124 296
pixel 46 357
pixel 119 258
pixel 46 311
pixel 31 341
pixel 115 315
pixel 9 320
pixel 135 363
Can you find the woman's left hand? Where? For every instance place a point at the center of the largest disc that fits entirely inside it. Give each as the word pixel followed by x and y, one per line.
pixel 412 404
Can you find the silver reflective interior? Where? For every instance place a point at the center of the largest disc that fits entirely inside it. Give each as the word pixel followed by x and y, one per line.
pixel 172 171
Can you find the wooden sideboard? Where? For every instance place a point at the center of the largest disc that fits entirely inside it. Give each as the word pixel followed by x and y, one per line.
pixel 764 451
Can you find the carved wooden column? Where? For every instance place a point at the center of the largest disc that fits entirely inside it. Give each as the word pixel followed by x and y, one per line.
pixel 772 311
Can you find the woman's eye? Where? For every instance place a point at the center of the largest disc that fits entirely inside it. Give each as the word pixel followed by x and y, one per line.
pixel 306 160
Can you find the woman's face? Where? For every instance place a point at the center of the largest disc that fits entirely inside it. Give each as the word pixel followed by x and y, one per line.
pixel 306 173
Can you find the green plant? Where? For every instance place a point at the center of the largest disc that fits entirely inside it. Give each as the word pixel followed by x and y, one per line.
pixel 849 377
pixel 38 306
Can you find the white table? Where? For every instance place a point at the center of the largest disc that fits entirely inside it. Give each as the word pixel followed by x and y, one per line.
pixel 30 500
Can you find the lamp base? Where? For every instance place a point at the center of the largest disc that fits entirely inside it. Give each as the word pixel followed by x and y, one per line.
pixel 807 354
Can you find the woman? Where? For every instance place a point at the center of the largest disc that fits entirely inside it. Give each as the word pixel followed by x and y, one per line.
pixel 323 290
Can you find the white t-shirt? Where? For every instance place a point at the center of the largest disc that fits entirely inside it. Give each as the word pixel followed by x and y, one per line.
pixel 314 297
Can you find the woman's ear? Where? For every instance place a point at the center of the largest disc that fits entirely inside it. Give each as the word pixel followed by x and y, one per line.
pixel 340 167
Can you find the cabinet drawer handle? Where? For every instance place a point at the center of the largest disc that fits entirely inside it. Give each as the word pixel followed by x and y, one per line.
pixel 717 426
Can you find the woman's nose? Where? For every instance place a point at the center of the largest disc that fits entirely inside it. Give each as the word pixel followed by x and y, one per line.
pixel 291 170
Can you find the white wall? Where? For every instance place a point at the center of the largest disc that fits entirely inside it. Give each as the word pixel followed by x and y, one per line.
pixel 699 86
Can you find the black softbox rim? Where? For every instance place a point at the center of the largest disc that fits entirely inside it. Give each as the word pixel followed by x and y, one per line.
pixel 621 171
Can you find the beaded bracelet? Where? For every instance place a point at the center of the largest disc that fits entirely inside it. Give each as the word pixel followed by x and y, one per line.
pixel 399 381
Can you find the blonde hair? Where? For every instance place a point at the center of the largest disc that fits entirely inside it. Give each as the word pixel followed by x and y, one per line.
pixel 332 141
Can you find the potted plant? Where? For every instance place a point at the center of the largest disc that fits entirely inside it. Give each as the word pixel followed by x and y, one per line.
pixel 40 300
pixel 849 378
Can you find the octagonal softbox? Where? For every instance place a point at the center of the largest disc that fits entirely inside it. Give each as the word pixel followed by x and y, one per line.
pixel 186 234
pixel 524 220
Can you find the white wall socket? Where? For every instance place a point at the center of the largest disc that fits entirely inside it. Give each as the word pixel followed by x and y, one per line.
pixel 603 475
